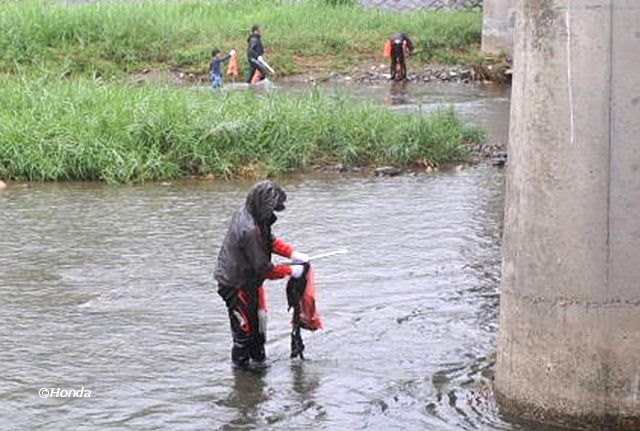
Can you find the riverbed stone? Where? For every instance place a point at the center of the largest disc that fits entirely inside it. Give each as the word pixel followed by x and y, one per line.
pixel 387 171
pixel 499 159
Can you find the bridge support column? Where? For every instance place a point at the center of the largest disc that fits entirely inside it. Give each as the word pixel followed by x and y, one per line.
pixel 499 18
pixel 569 346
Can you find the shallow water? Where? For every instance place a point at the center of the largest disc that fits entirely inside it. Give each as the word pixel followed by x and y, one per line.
pixel 485 105
pixel 110 289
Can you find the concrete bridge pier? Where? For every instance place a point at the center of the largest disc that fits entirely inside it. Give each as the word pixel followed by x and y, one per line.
pixel 499 17
pixel 569 347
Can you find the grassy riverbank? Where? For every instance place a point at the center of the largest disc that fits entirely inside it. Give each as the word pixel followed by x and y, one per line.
pixel 122 133
pixel 112 39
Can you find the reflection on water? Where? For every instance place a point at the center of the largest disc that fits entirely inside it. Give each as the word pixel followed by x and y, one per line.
pixel 247 395
pixel 110 288
pixel 397 94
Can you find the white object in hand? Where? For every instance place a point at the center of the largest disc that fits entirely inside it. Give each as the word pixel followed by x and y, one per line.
pixel 264 63
pixel 329 254
pixel 232 53
pixel 297 271
pixel 298 257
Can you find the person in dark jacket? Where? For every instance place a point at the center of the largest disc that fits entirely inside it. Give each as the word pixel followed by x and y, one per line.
pixel 244 263
pixel 400 47
pixel 254 51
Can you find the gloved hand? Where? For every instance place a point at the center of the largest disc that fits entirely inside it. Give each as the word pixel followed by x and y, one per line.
pixel 298 257
pixel 232 53
pixel 297 271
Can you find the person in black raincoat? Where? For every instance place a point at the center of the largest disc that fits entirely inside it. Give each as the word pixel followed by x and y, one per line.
pixel 401 46
pixel 254 51
pixel 244 263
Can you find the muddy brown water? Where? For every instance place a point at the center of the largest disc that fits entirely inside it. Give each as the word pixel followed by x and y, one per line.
pixel 110 289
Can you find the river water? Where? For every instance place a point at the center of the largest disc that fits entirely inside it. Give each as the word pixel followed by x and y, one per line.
pixel 110 289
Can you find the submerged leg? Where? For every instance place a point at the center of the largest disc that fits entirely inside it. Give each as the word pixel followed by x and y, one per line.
pixel 242 337
pixel 244 327
pixel 393 67
pixel 260 335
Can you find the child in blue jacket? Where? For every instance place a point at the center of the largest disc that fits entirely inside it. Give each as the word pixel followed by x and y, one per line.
pixel 215 72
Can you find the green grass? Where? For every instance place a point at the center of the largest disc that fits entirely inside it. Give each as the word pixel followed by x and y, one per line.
pixel 79 130
pixel 110 39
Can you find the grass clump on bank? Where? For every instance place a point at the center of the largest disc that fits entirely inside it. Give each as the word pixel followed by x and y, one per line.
pixel 124 133
pixel 109 39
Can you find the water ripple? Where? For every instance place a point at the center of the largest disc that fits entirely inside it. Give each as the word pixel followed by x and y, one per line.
pixel 111 289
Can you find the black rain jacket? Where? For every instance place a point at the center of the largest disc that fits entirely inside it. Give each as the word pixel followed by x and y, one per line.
pixel 254 48
pixel 399 38
pixel 245 256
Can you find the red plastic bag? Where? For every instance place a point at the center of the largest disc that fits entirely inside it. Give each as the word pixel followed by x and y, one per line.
pixel 309 316
pixel 387 49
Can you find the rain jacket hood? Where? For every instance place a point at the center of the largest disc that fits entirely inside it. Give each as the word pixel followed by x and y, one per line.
pixel 263 200
pixel 245 255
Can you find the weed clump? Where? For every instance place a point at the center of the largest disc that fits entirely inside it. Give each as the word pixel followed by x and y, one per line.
pixel 122 133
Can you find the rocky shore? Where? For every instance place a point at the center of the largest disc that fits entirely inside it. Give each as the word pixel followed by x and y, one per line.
pixel 494 154
pixel 497 70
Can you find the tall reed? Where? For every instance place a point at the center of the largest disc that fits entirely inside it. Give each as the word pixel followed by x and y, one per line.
pixel 121 133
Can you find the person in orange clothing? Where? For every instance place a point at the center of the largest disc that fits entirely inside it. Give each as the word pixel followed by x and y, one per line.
pixel 233 70
pixel 244 263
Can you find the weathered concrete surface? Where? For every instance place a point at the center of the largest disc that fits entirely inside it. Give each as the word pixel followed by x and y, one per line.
pixel 409 5
pixel 569 349
pixel 498 22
